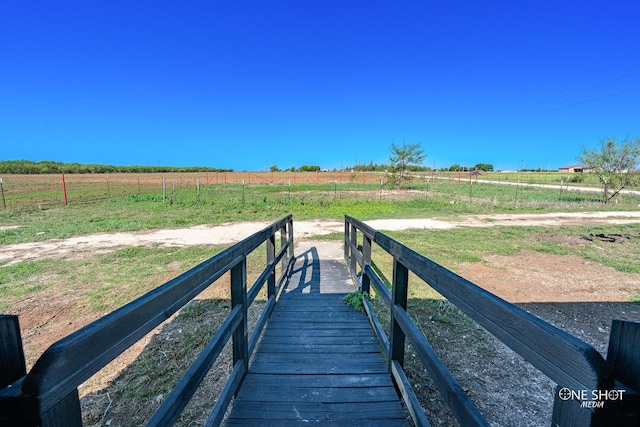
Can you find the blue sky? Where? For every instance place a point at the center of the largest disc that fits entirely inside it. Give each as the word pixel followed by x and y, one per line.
pixel 250 84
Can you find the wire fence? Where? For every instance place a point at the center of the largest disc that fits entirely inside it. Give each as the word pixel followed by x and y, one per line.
pixel 45 191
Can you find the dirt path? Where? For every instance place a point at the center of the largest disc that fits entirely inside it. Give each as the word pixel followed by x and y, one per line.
pixel 80 246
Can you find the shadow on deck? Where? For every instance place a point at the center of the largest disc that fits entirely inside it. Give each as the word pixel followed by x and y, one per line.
pixel 318 361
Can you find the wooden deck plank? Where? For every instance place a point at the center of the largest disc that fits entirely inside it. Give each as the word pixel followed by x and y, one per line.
pixel 299 421
pixel 320 349
pixel 317 361
pixel 320 411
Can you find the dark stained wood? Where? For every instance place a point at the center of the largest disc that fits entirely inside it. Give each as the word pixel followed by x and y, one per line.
pixel 564 358
pixel 623 355
pixel 318 361
pixel 48 395
pixel 399 296
pixel 12 363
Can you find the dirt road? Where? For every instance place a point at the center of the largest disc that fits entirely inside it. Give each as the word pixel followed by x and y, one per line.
pixel 230 233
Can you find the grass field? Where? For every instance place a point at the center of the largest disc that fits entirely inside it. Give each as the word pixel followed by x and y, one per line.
pixel 47 191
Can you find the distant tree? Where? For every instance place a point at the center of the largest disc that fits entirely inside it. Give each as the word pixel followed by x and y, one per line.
pixel 309 168
pixel 402 158
pixel 274 168
pixel 614 163
pixel 487 167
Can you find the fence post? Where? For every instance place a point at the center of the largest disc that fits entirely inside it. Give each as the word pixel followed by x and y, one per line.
pixel 239 297
pixel 64 190
pixel 4 203
pixel 398 298
pixel 271 256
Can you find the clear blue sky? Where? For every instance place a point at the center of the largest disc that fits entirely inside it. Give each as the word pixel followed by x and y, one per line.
pixel 243 85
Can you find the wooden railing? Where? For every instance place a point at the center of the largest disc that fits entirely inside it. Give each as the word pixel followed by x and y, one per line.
pixel 571 363
pixel 48 394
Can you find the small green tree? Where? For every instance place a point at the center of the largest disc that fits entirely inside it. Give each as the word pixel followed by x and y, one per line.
pixel 615 164
pixel 402 157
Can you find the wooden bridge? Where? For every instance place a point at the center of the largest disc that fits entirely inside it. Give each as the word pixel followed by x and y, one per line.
pixel 318 360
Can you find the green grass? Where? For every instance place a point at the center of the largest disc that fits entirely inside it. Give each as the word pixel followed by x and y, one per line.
pixel 354 299
pixel 224 203
pixel 448 247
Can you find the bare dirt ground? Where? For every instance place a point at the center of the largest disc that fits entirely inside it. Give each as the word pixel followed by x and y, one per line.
pixel 574 294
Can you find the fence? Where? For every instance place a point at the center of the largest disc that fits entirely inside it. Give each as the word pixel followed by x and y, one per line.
pixel 20 191
pixel 48 394
pixel 575 366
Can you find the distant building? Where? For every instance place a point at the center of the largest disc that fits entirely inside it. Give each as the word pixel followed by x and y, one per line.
pixel 571 169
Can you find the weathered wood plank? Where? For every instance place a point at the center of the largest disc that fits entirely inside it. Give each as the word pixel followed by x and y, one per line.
pixel 308 339
pixel 320 411
pixel 315 381
pixel 336 332
pixel 317 368
pixel 327 395
pixel 320 349
pixel 267 357
pixel 305 422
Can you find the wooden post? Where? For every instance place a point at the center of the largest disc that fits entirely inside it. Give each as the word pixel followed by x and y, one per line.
pixel 283 241
pixel 290 238
pixel 622 358
pixel 399 296
pixel 347 239
pixel 619 406
pixel 366 260
pixel 12 364
pixel 239 297
pixel 65 413
pixel 271 256
pixel 354 247
pixel 12 368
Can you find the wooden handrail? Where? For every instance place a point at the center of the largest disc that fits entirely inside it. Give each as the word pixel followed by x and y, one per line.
pixel 70 361
pixel 565 359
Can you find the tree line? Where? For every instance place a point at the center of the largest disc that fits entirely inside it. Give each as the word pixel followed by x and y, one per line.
pixel 28 167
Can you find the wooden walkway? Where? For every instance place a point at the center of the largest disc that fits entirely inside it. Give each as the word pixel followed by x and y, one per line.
pixel 318 361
